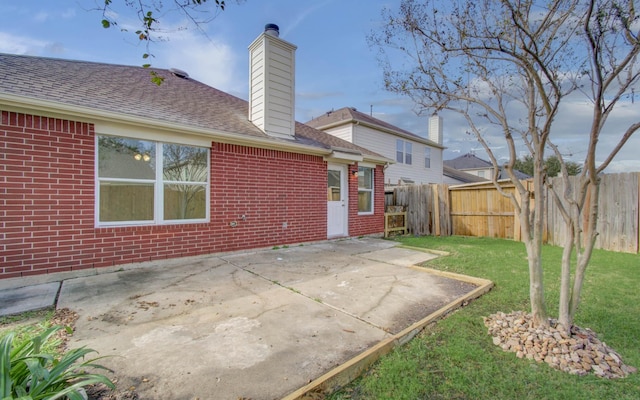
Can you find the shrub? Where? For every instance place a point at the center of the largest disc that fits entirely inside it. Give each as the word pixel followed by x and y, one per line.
pixel 27 372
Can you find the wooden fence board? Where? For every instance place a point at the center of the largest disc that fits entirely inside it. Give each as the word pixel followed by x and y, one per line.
pixel 617 213
pixel 480 210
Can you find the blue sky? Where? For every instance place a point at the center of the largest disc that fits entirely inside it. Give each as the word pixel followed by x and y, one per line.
pixel 335 67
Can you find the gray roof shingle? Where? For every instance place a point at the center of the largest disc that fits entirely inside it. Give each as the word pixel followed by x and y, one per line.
pixel 470 161
pixel 351 115
pixel 129 91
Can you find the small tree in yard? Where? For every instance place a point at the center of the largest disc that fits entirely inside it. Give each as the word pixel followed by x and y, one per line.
pixel 510 65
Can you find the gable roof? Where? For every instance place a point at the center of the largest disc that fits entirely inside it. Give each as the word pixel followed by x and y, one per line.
pixel 349 115
pixel 467 161
pixel 470 161
pixel 126 93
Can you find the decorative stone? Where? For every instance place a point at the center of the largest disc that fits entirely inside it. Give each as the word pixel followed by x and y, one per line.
pixel 577 353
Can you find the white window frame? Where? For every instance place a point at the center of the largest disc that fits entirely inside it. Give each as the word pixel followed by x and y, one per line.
pixel 158 183
pixel 372 190
pixel 427 157
pixel 400 151
pixel 408 153
pixel 404 152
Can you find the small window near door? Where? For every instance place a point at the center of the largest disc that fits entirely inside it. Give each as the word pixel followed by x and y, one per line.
pixel 365 190
pixel 333 185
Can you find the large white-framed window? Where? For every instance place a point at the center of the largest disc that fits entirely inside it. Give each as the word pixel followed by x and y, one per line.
pixel 427 157
pixel 404 152
pixel 365 189
pixel 141 182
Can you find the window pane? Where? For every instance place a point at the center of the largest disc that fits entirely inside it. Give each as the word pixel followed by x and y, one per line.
pixel 184 163
pixel 408 151
pixel 365 176
pixel 126 158
pixel 427 157
pixel 399 151
pixel 184 201
pixel 364 201
pixel 333 185
pixel 126 201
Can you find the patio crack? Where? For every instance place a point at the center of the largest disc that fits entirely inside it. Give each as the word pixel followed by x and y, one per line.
pixel 319 300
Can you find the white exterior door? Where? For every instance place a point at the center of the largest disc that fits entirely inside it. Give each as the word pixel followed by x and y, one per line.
pixel 337 208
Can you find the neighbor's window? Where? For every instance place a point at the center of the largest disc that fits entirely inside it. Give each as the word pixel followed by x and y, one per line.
pixel 143 181
pixel 403 151
pixel 427 157
pixel 400 151
pixel 365 190
pixel 481 174
pixel 407 153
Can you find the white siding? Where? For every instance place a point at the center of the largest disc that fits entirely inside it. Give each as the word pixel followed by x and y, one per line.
pixel 272 85
pixel 343 132
pixel 385 144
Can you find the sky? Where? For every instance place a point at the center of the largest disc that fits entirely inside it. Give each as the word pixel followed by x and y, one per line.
pixel 335 66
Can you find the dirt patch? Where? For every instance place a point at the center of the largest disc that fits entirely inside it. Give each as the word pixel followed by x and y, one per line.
pixel 417 311
pixel 67 318
pixel 102 392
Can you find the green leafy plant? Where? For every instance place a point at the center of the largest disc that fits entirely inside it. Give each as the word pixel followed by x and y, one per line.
pixel 29 373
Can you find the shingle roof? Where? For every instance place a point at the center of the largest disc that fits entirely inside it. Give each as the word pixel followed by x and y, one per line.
pixel 351 115
pixel 129 91
pixel 467 161
pixel 470 161
pixel 461 176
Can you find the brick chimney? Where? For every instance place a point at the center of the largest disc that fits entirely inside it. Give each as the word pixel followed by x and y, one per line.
pixel 272 83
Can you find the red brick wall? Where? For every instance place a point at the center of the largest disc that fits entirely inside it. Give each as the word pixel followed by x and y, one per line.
pixel 47 193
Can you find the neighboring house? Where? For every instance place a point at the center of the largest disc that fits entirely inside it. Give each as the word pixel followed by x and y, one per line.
pixel 100 167
pixel 417 160
pixel 452 176
pixel 473 165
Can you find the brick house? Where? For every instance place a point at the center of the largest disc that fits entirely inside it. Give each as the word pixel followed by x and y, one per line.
pixel 101 167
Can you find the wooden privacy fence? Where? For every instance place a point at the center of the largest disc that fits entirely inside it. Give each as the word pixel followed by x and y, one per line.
pixel 480 210
pixel 427 208
pixel 618 218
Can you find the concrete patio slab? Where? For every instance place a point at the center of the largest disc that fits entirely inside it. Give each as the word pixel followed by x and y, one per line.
pixel 28 298
pixel 267 324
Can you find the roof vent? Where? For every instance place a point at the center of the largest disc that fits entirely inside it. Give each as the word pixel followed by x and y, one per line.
pixel 272 30
pixel 179 73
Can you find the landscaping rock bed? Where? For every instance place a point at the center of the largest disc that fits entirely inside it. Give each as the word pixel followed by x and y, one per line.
pixel 580 353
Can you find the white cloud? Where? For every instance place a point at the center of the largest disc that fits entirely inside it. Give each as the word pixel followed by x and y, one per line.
pixel 210 61
pixel 20 44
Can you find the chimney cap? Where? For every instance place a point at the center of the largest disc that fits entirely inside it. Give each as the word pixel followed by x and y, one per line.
pixel 272 29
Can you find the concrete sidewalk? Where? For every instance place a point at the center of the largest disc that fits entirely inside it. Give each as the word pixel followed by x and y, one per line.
pixel 258 325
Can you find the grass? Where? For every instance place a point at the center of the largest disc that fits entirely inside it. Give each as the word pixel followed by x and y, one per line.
pixel 30 324
pixel 456 359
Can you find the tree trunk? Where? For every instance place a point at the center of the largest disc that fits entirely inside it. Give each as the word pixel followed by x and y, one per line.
pixel 564 317
pixel 584 257
pixel 533 242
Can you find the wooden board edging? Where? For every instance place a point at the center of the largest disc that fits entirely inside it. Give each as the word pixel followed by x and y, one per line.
pixel 343 374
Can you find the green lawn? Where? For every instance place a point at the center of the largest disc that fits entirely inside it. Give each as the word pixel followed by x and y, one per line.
pixel 456 359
